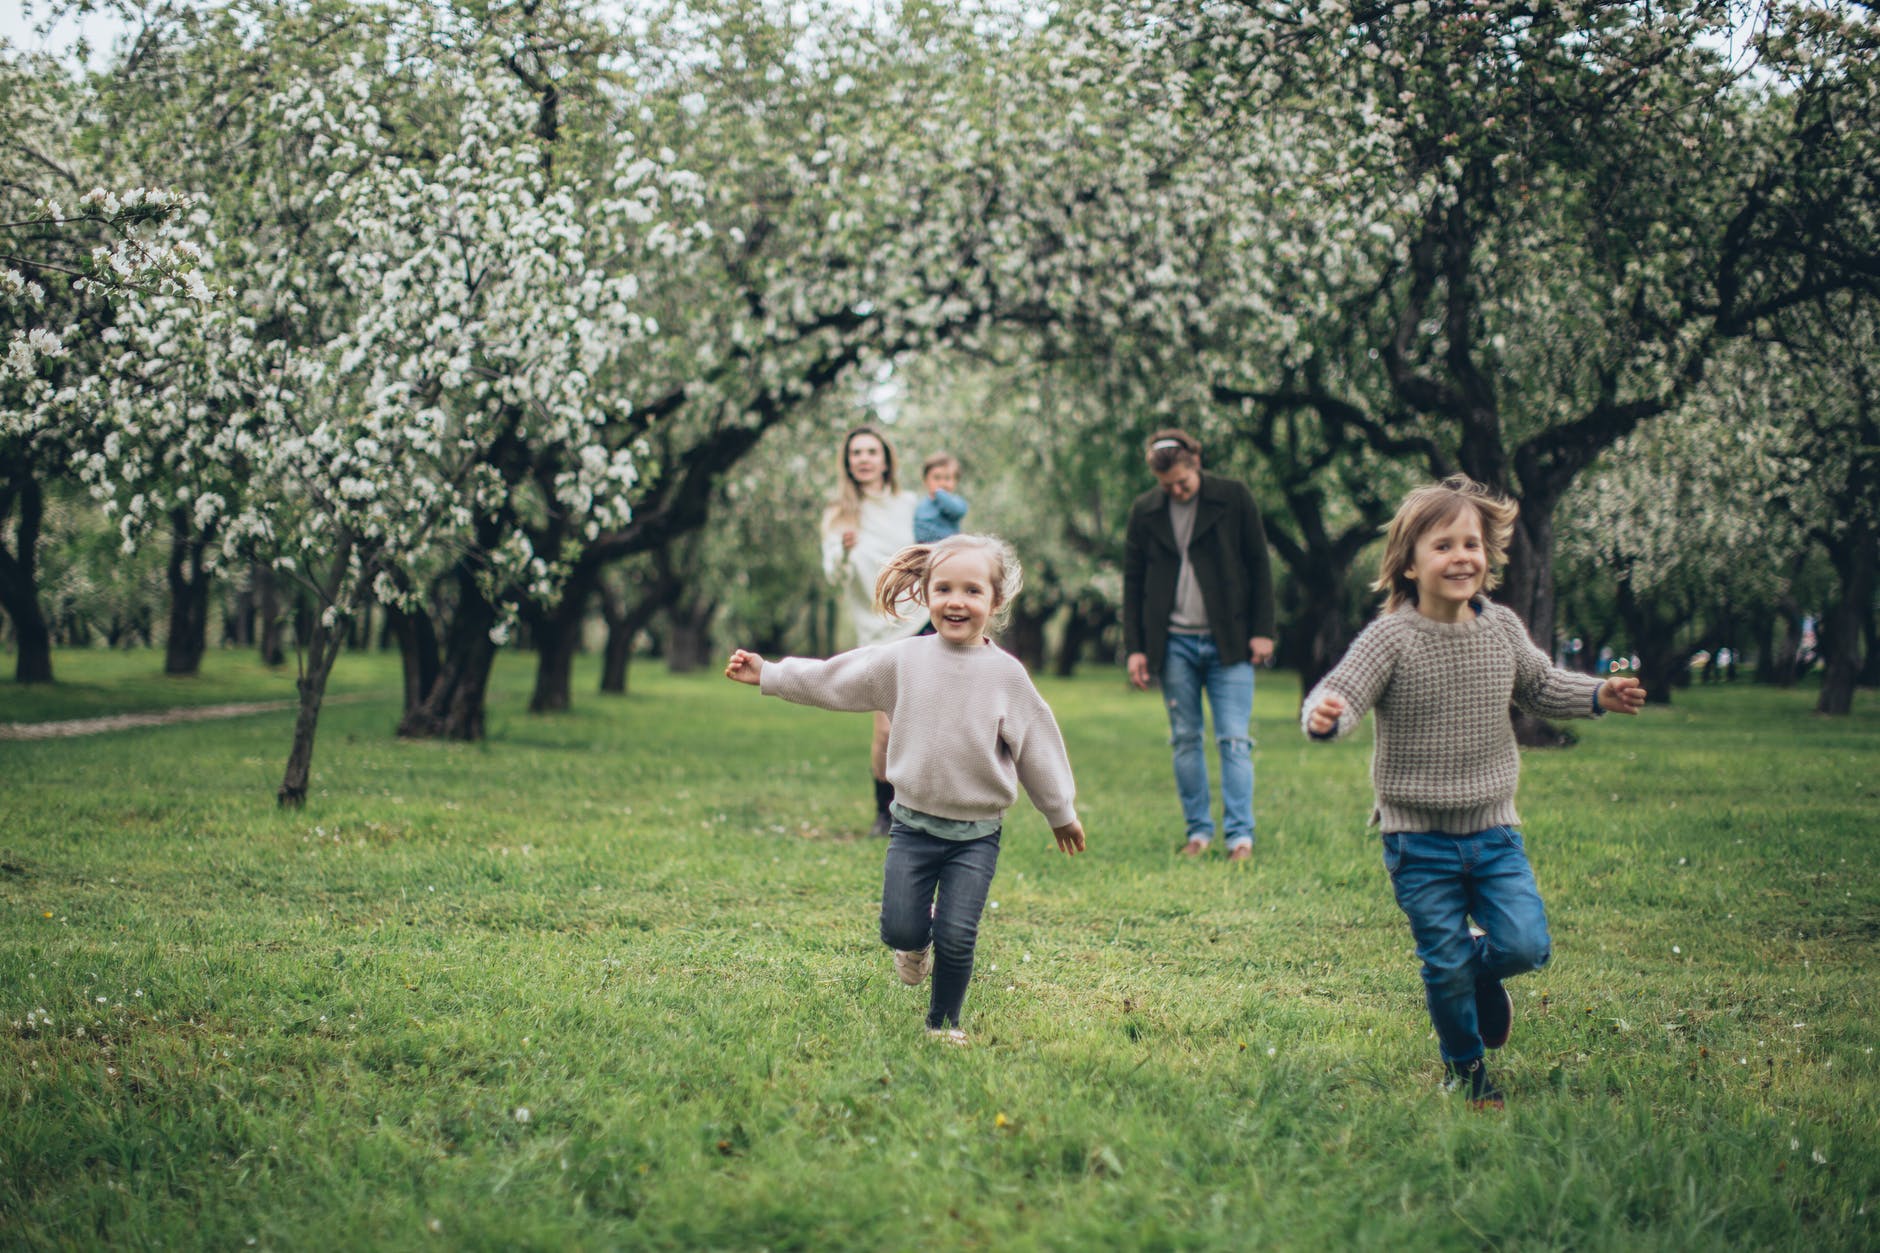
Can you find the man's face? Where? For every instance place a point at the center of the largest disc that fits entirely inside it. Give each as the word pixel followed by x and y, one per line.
pixel 1181 481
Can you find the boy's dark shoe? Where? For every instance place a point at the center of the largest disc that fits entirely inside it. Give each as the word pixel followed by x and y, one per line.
pixel 1494 1013
pixel 1472 1077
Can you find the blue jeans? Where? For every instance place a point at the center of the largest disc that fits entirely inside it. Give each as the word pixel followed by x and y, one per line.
pixel 933 892
pixel 1441 882
pixel 1192 666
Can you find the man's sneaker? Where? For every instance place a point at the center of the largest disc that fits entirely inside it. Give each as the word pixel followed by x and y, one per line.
pixel 1472 1077
pixel 947 1035
pixel 883 824
pixel 914 966
pixel 1494 1013
pixel 1240 852
pixel 1195 848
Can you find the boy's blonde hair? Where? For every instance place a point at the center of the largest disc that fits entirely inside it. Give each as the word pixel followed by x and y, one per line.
pixel 904 577
pixel 937 460
pixel 845 510
pixel 1429 507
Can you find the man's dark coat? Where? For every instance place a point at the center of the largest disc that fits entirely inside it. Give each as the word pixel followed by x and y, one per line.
pixel 1228 550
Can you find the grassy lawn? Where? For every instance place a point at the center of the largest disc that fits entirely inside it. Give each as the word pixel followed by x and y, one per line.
pixel 610 980
pixel 91 683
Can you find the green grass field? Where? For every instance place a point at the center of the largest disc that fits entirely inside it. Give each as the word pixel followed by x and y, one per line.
pixel 610 980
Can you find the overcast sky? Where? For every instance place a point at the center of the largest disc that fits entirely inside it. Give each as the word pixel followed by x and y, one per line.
pixel 16 27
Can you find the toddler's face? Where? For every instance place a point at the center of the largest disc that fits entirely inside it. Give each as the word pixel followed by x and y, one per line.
pixel 942 478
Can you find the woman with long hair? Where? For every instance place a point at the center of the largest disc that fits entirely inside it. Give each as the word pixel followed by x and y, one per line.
pixel 868 521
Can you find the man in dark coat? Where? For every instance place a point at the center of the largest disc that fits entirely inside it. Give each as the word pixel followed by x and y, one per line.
pixel 1198 615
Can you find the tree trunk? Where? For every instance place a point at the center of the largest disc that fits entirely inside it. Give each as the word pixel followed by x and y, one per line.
pixel 689 644
pixel 1023 637
pixel 1655 639
pixel 19 582
pixel 1323 592
pixel 189 597
pixel 557 633
pixel 1090 616
pixel 269 626
pixel 1528 589
pixel 1870 657
pixel 417 652
pixel 322 652
pixel 1781 662
pixel 453 706
pixel 1854 556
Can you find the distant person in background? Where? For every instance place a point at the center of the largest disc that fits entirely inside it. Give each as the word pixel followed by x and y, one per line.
pixel 1198 616
pixel 940 509
pixel 867 522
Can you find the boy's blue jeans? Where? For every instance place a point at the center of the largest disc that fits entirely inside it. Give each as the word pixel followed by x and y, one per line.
pixel 933 891
pixel 1193 665
pixel 1441 882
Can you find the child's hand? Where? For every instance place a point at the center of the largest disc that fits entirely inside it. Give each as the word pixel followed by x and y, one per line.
pixel 1621 696
pixel 1070 837
pixel 1325 715
pixel 745 667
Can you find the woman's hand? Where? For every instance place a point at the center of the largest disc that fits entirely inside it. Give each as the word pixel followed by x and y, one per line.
pixel 1324 717
pixel 745 667
pixel 1070 837
pixel 849 538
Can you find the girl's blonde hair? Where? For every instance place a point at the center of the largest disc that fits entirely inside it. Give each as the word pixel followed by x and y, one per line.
pixel 904 577
pixel 845 511
pixel 1429 507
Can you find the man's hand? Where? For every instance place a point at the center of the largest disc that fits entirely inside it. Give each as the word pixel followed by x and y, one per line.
pixel 745 667
pixel 1261 646
pixel 1621 696
pixel 1138 665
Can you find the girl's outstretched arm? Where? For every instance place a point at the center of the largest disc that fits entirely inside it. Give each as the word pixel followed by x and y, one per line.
pixel 745 667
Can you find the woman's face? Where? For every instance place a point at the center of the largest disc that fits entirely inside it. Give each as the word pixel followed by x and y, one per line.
pixel 868 461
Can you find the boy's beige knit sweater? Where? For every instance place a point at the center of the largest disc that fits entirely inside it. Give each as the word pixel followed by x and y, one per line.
pixel 1446 758
pixel 968 726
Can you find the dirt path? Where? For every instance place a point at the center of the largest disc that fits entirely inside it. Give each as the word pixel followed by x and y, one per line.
pixel 123 722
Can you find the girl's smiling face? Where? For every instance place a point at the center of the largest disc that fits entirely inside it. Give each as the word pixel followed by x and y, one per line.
pixel 961 596
pixel 1449 566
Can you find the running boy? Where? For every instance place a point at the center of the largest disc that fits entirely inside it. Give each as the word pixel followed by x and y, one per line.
pixel 1441 665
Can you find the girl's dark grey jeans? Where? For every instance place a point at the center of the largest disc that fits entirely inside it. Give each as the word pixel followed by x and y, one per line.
pixel 933 891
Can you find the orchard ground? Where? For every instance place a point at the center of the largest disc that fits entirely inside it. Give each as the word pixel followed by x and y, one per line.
pixel 610 980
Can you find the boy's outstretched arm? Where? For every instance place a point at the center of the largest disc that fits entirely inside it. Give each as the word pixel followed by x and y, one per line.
pixel 1323 718
pixel 745 667
pixel 1622 695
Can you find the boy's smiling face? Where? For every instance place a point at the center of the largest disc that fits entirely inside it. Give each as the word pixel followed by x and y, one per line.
pixel 1450 565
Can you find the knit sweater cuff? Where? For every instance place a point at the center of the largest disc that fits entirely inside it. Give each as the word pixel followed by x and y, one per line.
pixel 1061 818
pixel 1466 820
